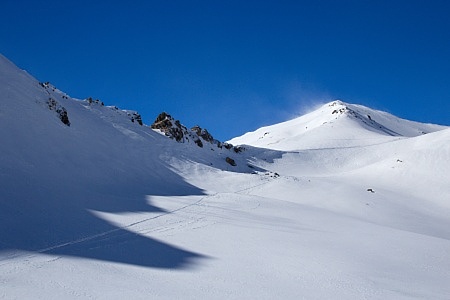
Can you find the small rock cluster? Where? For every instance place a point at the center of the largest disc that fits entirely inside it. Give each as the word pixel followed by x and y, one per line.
pixel 135 117
pixel 340 110
pixel 132 115
pixel 96 101
pixel 52 104
pixel 60 110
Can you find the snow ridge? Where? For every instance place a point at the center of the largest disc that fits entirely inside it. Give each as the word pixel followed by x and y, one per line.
pixel 345 202
pixel 335 125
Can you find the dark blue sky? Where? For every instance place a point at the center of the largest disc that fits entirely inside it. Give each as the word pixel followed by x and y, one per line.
pixel 234 66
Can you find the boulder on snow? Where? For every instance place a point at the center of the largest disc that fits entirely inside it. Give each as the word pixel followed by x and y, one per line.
pixel 230 161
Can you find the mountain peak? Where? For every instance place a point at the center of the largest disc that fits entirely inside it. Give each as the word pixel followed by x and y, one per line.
pixel 108 193
pixel 334 125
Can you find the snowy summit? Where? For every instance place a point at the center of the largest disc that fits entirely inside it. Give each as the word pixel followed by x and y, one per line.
pixel 345 202
pixel 335 124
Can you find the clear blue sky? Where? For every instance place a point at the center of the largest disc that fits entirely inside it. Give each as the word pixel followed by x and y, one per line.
pixel 234 66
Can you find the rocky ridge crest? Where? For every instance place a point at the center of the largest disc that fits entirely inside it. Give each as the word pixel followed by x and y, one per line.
pixel 175 130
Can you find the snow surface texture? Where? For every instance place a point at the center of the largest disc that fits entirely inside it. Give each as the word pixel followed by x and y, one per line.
pixel 335 125
pixel 331 205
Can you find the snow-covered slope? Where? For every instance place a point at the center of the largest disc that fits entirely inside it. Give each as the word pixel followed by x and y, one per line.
pixel 335 205
pixel 334 125
pixel 52 173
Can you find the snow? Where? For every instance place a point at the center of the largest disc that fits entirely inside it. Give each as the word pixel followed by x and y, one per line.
pixel 106 208
pixel 336 124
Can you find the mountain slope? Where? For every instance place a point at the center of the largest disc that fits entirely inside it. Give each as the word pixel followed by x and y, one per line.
pixel 336 124
pixel 53 173
pixel 95 205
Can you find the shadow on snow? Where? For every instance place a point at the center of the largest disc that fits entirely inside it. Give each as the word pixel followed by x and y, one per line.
pixel 41 214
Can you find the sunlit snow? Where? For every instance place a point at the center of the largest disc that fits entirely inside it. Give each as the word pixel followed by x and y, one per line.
pixel 345 202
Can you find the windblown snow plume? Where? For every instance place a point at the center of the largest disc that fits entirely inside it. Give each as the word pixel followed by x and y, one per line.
pixel 345 202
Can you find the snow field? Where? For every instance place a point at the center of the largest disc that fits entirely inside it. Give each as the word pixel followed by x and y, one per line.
pixel 335 205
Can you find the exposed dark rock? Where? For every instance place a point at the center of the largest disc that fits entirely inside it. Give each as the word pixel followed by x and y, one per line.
pixel 199 143
pixel 161 117
pixel 63 116
pixel 340 110
pixel 272 174
pixel 169 126
pixel 203 133
pixel 230 161
pixel 238 149
pixel 175 130
pixel 60 110
pixel 134 116
pixel 96 101
pixel 227 146
pixel 45 85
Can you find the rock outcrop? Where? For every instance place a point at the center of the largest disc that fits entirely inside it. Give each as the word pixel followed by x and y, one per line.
pixel 171 127
pixel 135 117
pixel 60 111
pixel 200 136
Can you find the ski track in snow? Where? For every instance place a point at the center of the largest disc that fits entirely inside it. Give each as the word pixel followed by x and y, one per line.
pixel 101 234
pixel 346 202
pixel 8 259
